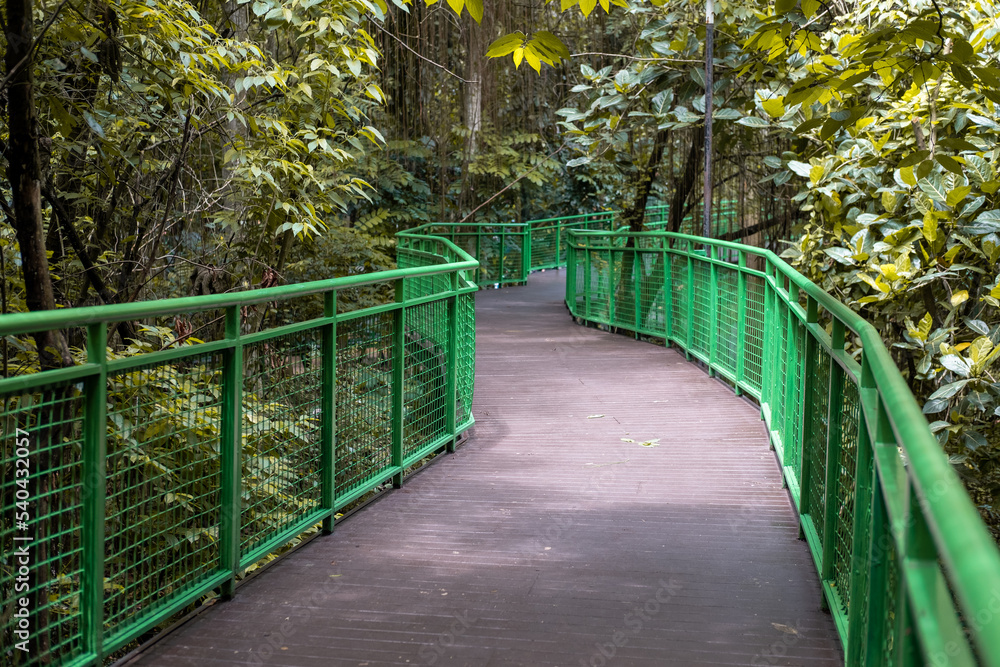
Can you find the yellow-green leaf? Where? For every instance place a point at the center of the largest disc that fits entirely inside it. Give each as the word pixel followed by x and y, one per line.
pixel 505 45
pixel 518 56
pixel 475 8
pixel 816 173
pixel 959 297
pixel 889 201
pixel 979 349
pixel 532 57
pixel 930 227
pixel 775 107
pixel 956 195
pixel 906 173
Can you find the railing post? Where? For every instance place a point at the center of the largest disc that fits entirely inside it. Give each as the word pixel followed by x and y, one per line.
pixel 398 378
pixel 835 404
pixel 690 302
pixel 741 320
pixel 328 411
pixel 586 277
pixel 559 242
pixel 878 555
pixel 790 406
pixel 768 345
pixel 451 386
pixel 231 450
pixel 571 279
pixel 526 253
pixel 637 280
pixel 503 255
pixel 668 291
pixel 713 301
pixel 94 492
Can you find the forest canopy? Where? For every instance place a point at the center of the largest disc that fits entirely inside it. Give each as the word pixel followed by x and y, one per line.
pixel 164 147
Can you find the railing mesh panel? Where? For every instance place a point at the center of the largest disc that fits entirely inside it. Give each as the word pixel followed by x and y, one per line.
pixel 679 296
pixel 779 376
pixel 891 602
pixel 465 357
pixel 652 315
pixel 702 307
pixel 425 390
pixel 623 284
pixel 849 414
pixel 793 441
pixel 281 462
pixel 753 330
pixel 41 496
pixel 727 314
pixel 163 485
pixel 816 444
pixel 364 400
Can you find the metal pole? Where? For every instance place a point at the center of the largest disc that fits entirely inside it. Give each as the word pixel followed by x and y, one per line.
pixel 706 230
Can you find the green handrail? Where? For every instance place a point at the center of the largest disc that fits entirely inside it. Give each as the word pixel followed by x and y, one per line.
pixel 549 235
pixel 908 569
pixel 151 479
pixel 502 250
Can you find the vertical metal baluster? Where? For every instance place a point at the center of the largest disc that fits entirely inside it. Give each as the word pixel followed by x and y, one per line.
pixel 231 450
pixel 95 433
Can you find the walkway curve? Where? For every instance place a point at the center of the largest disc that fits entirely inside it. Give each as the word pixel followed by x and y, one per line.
pixel 553 536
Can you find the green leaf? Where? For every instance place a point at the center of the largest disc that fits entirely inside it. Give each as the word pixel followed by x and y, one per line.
pixel 933 187
pixel 753 121
pixel 956 364
pixel 803 169
pixel 783 6
pixel 950 163
pixel 93 124
pixel 948 390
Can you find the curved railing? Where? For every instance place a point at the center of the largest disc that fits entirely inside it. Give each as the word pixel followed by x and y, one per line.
pixel 503 251
pixel 909 571
pixel 135 484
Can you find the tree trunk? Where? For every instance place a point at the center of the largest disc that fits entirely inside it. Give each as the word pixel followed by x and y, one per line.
pixel 688 178
pixel 24 172
pixel 635 215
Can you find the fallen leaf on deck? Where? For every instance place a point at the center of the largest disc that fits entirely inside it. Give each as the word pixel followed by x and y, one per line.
pixel 786 629
pixel 651 443
pixel 594 416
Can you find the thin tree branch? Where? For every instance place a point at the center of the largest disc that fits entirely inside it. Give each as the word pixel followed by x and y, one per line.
pixel 511 184
pixel 424 58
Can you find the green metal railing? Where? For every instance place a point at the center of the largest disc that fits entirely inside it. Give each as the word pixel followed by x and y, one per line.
pixel 503 251
pixel 134 485
pixel 549 236
pixel 908 570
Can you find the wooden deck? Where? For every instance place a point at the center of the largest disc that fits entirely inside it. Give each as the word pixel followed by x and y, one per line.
pixel 549 538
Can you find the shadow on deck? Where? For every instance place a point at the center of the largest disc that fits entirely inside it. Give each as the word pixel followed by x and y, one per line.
pixel 550 538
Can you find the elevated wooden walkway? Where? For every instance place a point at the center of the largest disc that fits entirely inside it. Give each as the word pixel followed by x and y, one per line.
pixel 614 505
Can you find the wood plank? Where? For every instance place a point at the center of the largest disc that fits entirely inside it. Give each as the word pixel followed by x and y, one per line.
pixel 546 538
